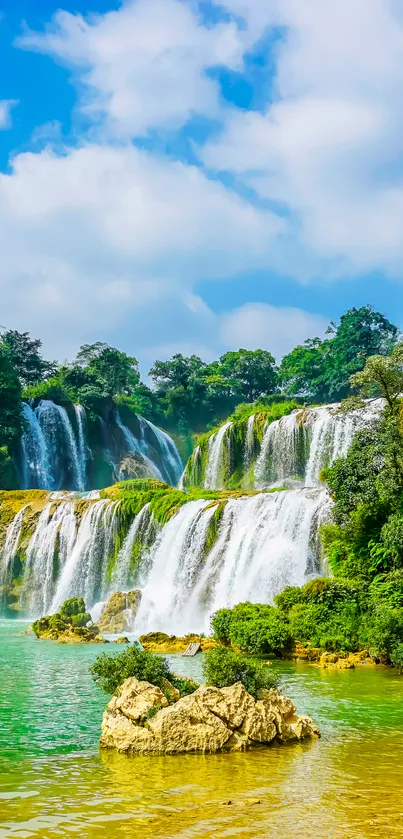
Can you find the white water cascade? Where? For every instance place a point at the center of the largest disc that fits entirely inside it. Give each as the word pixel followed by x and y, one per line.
pixel 55 534
pixel 157 449
pixel 298 446
pixel 265 542
pixel 52 458
pixel 249 443
pixel 214 478
pixel 84 572
pixel 9 551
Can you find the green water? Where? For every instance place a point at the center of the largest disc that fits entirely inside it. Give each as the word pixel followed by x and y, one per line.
pixel 55 783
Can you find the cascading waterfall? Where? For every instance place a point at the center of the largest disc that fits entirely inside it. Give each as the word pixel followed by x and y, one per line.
pixel 84 453
pixel 84 572
pixel 161 448
pixel 214 478
pixel 249 443
pixel 300 445
pixel 8 553
pixel 53 538
pixel 139 530
pixel 50 454
pixel 35 453
pixel 266 542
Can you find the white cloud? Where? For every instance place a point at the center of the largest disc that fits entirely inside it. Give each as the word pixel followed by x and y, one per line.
pixel 143 66
pixel 278 329
pixel 88 237
pixel 104 237
pixel 6 106
pixel 329 146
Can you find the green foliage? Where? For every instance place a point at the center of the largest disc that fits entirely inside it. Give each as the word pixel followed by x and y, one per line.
pixel 72 616
pixel 25 357
pixel 11 421
pixel 255 628
pixel 72 606
pixel 109 672
pixel 320 370
pixel 223 667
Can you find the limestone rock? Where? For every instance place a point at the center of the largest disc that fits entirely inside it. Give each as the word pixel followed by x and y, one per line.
pixel 209 720
pixel 278 702
pixel 259 723
pixel 189 726
pixel 135 699
pixel 297 728
pixel 335 661
pixel 171 693
pixel 120 611
pixel 239 703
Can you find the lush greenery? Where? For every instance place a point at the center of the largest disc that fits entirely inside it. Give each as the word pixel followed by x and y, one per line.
pixel 73 617
pixel 109 672
pixel 253 628
pixel 223 667
pixel 188 395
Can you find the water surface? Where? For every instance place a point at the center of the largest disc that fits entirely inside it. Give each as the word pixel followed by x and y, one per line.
pixel 55 783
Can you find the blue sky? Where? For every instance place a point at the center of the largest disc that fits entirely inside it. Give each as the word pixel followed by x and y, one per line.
pixel 195 176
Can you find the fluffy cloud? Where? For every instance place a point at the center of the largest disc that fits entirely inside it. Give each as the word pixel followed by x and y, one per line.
pixel 5 112
pixel 102 236
pixel 327 148
pixel 141 67
pixel 90 236
pixel 278 329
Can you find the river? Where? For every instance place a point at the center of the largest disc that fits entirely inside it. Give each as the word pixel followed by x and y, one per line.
pixel 55 783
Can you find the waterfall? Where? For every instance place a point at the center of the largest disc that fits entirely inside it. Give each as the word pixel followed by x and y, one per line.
pixel 249 443
pixel 135 445
pixel 52 540
pixel 174 563
pixel 51 457
pixel 300 445
pixel 172 464
pixel 266 542
pixel 84 452
pixel 9 551
pixel 214 477
pixel 121 577
pixel 84 572
pixel 35 454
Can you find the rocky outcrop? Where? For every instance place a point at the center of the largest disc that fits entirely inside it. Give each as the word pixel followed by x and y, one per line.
pixel 160 642
pixel 332 661
pixel 119 613
pixel 139 719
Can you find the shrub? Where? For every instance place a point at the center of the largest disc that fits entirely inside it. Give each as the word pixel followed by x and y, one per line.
pixel 254 627
pixel 184 685
pixel 396 657
pixel 111 671
pixel 73 606
pixel 223 667
pixel 382 631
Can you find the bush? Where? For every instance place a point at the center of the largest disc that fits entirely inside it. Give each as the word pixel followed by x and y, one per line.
pixel 397 657
pixel 109 672
pixel 73 606
pixel 223 667
pixel 253 627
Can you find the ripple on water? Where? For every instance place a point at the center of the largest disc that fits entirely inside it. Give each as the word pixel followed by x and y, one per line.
pixel 54 783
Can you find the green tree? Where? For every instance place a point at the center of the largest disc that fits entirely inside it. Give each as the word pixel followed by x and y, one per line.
pixel 250 373
pixel 321 370
pixel 26 359
pixel 11 420
pixel 113 370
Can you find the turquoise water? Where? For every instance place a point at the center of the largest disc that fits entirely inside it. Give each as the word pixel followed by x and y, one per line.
pixel 55 783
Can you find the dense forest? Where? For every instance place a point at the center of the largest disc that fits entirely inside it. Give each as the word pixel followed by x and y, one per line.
pixel 187 396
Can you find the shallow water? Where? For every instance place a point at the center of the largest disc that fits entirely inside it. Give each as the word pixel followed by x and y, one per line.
pixel 55 783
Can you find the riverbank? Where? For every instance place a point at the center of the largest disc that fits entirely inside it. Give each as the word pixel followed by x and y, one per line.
pixel 54 782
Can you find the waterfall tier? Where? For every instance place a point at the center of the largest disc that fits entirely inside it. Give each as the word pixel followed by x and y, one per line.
pixel 208 553
pixel 56 452
pixel 254 453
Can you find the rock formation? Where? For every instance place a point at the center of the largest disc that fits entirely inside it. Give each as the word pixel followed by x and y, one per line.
pixel 119 613
pixel 139 719
pixel 160 642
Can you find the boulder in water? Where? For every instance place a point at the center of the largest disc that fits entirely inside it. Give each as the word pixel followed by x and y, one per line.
pixel 120 611
pixel 139 720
